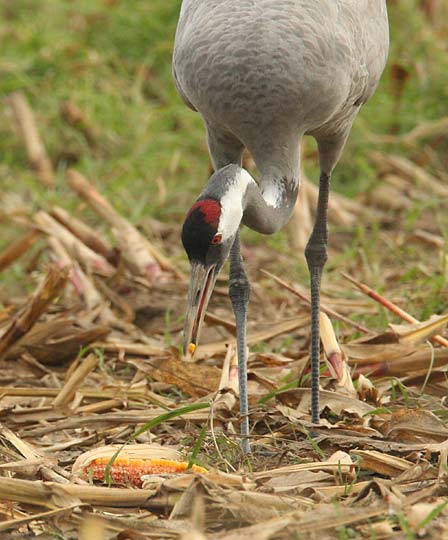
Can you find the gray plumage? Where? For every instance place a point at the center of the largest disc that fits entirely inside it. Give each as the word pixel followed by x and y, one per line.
pixel 263 73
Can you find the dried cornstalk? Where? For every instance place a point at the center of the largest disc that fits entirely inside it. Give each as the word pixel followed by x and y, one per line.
pixel 412 364
pixel 300 225
pixel 336 360
pixel 391 306
pixel 386 196
pixel 90 237
pixel 75 380
pixel 327 465
pixel 408 169
pixel 100 406
pixel 57 340
pixel 50 288
pixel 229 375
pixel 139 349
pixel 74 246
pixel 323 308
pixel 18 523
pixel 35 149
pixel 382 463
pixel 119 418
pixel 341 211
pixel 137 249
pixel 214 320
pixel 44 463
pixel 86 392
pixel 276 329
pixel 17 249
pixel 74 116
pixel 81 283
pixel 429 238
pixel 28 451
pixel 424 130
pixel 49 494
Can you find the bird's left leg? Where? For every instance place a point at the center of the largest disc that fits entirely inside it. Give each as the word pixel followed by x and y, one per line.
pixel 224 147
pixel 239 292
pixel 330 149
pixel 316 256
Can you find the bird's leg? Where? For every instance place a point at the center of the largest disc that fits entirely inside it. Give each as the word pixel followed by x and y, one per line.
pixel 316 256
pixel 239 292
pixel 224 147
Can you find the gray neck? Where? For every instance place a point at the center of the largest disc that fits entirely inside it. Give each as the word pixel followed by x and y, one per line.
pixel 269 210
pixel 266 209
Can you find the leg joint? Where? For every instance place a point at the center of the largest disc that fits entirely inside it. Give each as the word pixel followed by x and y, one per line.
pixel 239 289
pixel 316 253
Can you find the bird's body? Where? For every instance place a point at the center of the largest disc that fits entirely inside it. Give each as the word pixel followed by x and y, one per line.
pixel 269 71
pixel 263 73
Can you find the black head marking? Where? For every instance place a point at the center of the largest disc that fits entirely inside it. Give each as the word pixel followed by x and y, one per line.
pixel 199 229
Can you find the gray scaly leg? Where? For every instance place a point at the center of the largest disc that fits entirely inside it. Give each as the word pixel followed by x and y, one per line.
pixel 316 256
pixel 239 292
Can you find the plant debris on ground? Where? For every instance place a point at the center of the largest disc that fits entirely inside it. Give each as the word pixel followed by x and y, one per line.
pixel 107 432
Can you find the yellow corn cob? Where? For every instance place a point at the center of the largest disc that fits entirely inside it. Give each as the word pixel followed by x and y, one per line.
pixel 130 470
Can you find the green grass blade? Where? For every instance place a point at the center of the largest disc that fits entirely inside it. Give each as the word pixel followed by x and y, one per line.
pixel 197 446
pixel 285 388
pixel 168 416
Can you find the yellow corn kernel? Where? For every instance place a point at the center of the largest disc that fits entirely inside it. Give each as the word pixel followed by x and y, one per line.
pixel 127 470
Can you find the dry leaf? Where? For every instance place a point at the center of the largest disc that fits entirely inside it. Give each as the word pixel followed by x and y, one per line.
pixel 382 463
pixel 419 332
pixel 409 425
pixel 189 377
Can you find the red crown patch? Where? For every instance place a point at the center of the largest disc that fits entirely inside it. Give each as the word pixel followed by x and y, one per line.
pixel 210 209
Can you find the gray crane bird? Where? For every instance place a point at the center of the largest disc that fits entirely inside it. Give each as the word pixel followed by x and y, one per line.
pixel 262 74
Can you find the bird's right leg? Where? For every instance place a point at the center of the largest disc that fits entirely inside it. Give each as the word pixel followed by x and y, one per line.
pixel 239 292
pixel 316 256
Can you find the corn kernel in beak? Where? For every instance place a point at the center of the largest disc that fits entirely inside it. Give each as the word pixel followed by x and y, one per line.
pixel 191 348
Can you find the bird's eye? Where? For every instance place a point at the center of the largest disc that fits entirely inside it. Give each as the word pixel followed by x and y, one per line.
pixel 217 239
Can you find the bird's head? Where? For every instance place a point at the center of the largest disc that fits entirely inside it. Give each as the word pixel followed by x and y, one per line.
pixel 207 235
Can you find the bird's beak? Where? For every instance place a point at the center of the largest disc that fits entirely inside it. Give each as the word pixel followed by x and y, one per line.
pixel 202 282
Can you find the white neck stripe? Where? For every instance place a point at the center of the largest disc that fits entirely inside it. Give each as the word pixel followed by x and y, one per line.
pixel 232 204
